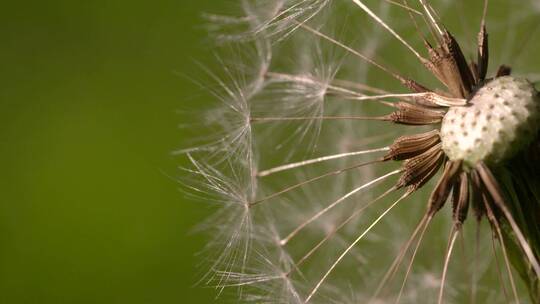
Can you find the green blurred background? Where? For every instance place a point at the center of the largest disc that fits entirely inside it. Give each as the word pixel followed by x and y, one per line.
pixel 88 99
pixel 89 93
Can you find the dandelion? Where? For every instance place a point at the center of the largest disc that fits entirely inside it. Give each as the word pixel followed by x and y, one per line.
pixel 341 178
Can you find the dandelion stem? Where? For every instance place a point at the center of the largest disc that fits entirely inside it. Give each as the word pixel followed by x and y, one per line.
pixel 342 224
pixel 293 9
pixel 388 28
pixel 434 23
pixel 316 178
pixel 330 89
pixel 390 95
pixel 354 52
pixel 254 279
pixel 358 239
pixel 434 98
pixel 497 227
pixel 360 86
pixel 335 203
pixel 499 272
pixel 414 22
pixel 318 160
pixel 408 8
pixel 484 13
pixel 307 79
pixel 300 118
pixel 415 251
pixel 474 279
pixel 507 264
pixel 455 233
pixel 397 261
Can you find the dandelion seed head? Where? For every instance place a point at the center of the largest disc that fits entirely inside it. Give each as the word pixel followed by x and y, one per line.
pixel 331 159
pixel 502 118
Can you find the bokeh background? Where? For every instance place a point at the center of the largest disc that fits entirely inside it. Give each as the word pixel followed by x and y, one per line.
pixel 90 211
